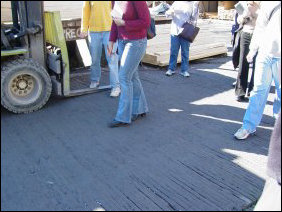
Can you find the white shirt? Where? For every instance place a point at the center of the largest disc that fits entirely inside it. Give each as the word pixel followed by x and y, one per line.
pixel 267 35
pixel 183 11
pixel 117 11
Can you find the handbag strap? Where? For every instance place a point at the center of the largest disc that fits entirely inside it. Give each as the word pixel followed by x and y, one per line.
pixel 274 11
pixel 192 13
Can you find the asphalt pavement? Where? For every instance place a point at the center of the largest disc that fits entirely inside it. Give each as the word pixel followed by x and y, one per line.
pixel 182 156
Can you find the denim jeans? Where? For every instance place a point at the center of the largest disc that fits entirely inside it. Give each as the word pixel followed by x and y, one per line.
pixel 175 43
pixel 266 72
pixel 96 41
pixel 132 99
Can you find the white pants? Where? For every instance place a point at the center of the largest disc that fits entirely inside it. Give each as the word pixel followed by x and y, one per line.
pixel 270 199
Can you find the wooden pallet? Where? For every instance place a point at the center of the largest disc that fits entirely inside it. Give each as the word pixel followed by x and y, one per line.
pixel 212 40
pixel 197 52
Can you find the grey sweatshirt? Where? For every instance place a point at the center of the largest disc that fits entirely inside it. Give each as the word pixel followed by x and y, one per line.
pixel 274 156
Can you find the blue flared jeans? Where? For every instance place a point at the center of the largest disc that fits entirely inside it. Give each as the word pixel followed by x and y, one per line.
pixel 267 69
pixel 132 99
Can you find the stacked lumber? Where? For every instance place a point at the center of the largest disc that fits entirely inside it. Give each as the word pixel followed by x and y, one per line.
pixel 212 40
pixel 226 14
pixel 226 10
pixel 68 9
pixel 6 12
pixel 211 15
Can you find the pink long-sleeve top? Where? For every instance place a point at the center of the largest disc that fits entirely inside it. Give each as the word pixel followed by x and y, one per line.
pixel 137 20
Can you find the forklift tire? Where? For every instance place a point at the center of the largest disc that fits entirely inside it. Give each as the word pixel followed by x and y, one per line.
pixel 25 86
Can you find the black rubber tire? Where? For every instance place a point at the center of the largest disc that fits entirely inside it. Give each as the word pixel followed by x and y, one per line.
pixel 31 68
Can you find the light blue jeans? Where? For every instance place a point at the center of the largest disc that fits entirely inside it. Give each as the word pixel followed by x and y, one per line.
pixel 175 43
pixel 132 99
pixel 266 71
pixel 96 42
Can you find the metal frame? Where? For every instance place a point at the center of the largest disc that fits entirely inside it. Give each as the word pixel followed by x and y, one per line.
pixel 41 28
pixel 55 36
pixel 37 49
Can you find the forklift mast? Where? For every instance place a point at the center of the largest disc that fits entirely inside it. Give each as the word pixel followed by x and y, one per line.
pixel 28 22
pixel 31 17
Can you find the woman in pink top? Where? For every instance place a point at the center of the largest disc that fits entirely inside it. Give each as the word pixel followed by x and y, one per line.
pixel 131 20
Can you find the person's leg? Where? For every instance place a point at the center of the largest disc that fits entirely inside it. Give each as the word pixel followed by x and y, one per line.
pixel 132 54
pixel 174 49
pixel 112 61
pixel 243 73
pixel 140 105
pixel 185 45
pixel 95 46
pixel 275 73
pixel 258 99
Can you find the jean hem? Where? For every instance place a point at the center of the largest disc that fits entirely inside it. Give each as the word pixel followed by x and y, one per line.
pixel 117 119
pixel 146 111
pixel 249 129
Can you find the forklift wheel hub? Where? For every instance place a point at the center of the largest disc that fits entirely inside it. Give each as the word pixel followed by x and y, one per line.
pixel 22 85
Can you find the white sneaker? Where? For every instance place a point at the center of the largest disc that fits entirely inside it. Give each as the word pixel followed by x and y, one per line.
pixel 94 85
pixel 185 74
pixel 169 73
pixel 243 134
pixel 115 92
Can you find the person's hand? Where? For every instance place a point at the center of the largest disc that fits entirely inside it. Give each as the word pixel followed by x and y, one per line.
pixel 119 22
pixel 110 48
pixel 83 35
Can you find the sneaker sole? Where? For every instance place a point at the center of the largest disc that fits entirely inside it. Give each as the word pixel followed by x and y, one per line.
pixel 114 96
pixel 244 138
pixel 185 76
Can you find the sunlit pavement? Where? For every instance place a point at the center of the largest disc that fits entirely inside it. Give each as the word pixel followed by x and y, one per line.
pixel 182 156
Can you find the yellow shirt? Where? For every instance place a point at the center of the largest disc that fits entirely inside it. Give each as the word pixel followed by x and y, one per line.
pixel 96 16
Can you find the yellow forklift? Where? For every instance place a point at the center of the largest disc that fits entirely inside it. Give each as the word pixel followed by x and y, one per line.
pixel 37 59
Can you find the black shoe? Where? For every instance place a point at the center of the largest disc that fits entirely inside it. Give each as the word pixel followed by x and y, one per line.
pixel 242 99
pixel 137 116
pixel 115 123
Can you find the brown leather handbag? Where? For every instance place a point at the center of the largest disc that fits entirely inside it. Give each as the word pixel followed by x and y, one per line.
pixel 190 31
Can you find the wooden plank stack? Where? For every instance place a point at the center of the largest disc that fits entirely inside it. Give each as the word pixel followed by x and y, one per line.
pixel 212 40
pixel 226 10
pixel 68 10
pixel 6 12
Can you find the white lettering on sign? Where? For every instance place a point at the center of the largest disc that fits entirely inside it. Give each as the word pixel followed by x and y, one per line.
pixel 72 33
pixel 78 32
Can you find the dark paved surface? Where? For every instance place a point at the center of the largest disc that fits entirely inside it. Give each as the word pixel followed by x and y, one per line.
pixel 64 157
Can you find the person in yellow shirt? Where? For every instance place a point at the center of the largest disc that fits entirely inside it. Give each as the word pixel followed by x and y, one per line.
pixel 96 23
